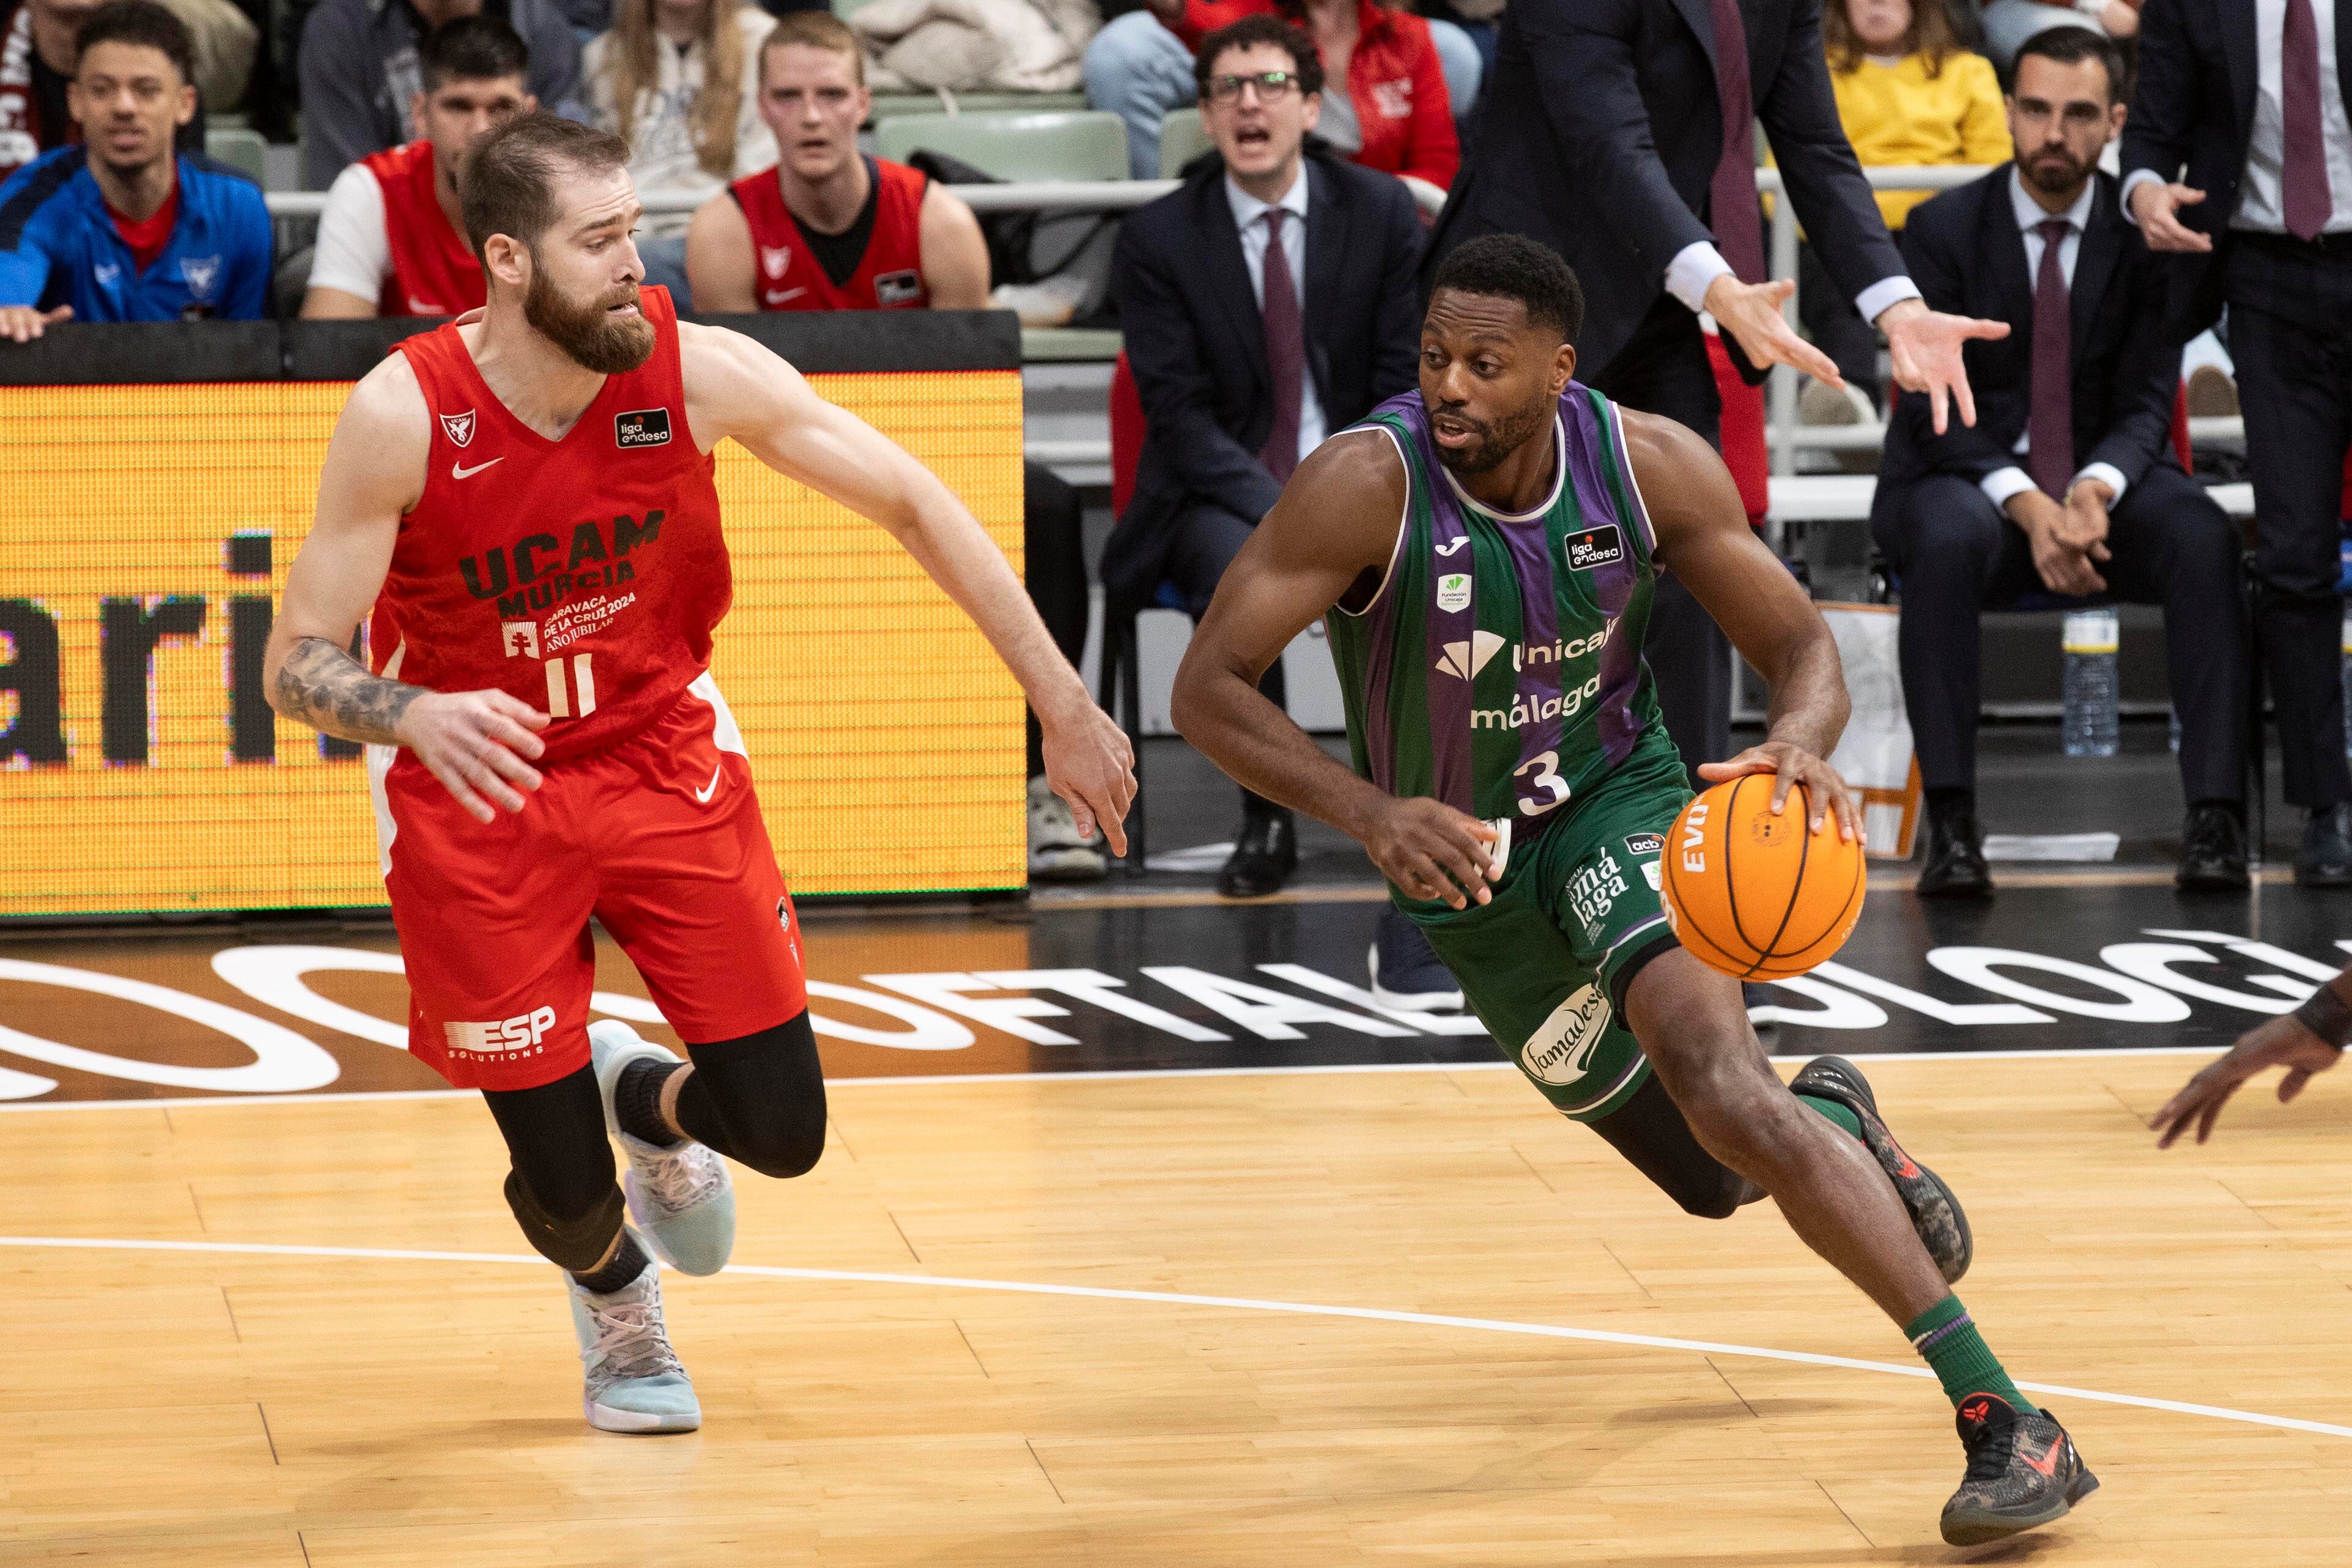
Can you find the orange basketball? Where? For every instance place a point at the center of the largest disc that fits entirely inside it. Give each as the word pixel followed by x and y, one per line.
pixel 1755 896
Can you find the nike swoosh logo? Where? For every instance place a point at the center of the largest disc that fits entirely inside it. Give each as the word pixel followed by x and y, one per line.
pixel 2048 1463
pixel 1444 550
pixel 457 473
pixel 779 297
pixel 703 794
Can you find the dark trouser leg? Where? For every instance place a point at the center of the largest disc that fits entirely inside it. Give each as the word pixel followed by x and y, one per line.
pixel 1837 327
pixel 1954 553
pixel 760 1101
pixel 1664 370
pixel 1054 562
pixel 2293 382
pixel 1207 537
pixel 1650 1130
pixel 561 1187
pixel 2172 546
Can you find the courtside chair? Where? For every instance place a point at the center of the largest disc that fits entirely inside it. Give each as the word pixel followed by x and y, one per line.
pixel 1081 145
pixel 1182 138
pixel 240 148
pixel 1120 680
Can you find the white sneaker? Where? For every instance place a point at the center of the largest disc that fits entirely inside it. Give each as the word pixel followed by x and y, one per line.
pixel 1056 853
pixel 682 1199
pixel 635 1383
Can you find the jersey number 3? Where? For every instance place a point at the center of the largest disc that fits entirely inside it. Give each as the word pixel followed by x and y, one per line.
pixel 1549 788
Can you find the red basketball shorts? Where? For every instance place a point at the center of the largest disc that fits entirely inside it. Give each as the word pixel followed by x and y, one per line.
pixel 659 838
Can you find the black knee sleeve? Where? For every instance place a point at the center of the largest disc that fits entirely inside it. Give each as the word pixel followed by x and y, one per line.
pixel 1650 1130
pixel 760 1101
pixel 576 1245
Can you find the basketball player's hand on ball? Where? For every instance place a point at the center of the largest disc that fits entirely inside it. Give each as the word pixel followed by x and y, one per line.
pixel 475 742
pixel 1431 851
pixel 1090 765
pixel 2279 1042
pixel 1825 793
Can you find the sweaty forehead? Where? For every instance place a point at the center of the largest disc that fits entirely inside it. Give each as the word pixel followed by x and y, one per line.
pixel 1454 313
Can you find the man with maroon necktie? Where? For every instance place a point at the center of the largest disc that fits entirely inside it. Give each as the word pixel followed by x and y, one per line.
pixel 2067 484
pixel 2238 162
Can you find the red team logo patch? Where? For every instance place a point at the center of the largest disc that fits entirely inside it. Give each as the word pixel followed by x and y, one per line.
pixel 460 426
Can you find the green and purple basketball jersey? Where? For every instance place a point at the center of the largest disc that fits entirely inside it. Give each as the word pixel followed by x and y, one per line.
pixel 1499 669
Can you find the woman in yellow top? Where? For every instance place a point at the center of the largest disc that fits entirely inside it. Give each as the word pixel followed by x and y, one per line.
pixel 1907 94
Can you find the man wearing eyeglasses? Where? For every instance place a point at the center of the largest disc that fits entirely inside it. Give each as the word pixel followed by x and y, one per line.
pixel 1269 301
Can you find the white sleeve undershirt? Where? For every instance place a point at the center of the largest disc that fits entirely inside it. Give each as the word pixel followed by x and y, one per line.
pixel 354 252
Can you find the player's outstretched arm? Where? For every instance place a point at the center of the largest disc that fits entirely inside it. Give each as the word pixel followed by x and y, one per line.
pixel 1334 529
pixel 2306 1041
pixel 1703 538
pixel 738 388
pixel 475 742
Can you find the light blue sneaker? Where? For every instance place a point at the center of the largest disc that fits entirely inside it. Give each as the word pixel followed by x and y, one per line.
pixel 635 1383
pixel 682 1200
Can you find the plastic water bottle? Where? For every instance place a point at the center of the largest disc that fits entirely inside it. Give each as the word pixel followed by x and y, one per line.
pixel 2347 685
pixel 2094 723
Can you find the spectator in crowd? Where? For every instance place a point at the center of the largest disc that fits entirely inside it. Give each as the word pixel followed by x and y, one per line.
pixel 678 80
pixel 1623 135
pixel 2008 23
pixel 361 72
pixel 392 241
pixel 1400 80
pixel 827 229
pixel 2067 483
pixel 2262 220
pixel 1266 304
pixel 121 227
pixel 36 63
pixel 1906 94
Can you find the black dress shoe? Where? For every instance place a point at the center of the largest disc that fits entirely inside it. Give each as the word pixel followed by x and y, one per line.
pixel 2212 852
pixel 1956 862
pixel 2325 859
pixel 1263 856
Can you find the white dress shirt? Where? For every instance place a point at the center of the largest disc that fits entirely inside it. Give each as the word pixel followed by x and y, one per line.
pixel 2261 207
pixel 1249 218
pixel 1697 265
pixel 2003 483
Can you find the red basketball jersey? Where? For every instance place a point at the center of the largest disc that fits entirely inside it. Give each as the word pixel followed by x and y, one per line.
pixel 433 270
pixel 889 276
pixel 584 575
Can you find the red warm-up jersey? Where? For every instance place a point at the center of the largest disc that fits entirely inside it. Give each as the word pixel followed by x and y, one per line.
pixel 791 278
pixel 434 271
pixel 583 577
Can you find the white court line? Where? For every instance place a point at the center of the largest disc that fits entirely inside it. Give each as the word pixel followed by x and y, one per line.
pixel 1091 1075
pixel 1229 1303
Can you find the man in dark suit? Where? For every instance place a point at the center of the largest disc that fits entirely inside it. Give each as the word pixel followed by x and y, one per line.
pixel 2066 483
pixel 2250 96
pixel 1621 134
pixel 1267 304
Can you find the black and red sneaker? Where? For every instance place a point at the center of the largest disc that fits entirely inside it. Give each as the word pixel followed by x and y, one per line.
pixel 1935 1209
pixel 2023 1473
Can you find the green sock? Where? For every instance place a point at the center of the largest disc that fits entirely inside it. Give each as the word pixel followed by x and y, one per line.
pixel 1845 1120
pixel 1946 1338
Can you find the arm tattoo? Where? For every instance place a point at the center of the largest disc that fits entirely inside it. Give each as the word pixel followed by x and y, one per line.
pixel 328 689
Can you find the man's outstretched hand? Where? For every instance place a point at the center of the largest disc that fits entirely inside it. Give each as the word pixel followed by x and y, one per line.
pixel 1925 345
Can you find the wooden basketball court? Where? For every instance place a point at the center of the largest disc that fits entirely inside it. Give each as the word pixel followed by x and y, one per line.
pixel 1308 1318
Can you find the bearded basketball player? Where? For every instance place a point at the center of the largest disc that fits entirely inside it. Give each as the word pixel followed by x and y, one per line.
pixel 525 498
pixel 1483 554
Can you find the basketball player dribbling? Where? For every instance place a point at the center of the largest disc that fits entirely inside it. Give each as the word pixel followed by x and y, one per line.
pixel 1481 552
pixel 525 498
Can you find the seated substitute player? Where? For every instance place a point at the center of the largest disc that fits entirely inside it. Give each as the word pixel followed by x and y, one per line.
pixel 1517 785
pixel 120 227
pixel 828 228
pixel 525 497
pixel 391 241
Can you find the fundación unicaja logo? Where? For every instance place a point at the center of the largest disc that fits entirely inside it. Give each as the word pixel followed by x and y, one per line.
pixel 1453 592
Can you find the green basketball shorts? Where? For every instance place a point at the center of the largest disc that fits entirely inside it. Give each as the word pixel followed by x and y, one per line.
pixel 1546 963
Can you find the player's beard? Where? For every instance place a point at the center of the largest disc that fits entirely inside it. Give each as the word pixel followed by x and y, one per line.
pixel 607 344
pixel 1497 440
